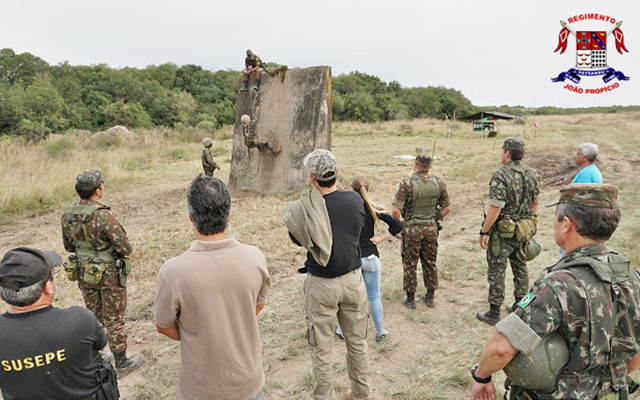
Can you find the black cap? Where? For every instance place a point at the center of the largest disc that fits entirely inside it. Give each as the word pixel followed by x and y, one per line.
pixel 22 267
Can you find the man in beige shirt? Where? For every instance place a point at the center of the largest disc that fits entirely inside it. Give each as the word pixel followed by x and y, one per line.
pixel 208 298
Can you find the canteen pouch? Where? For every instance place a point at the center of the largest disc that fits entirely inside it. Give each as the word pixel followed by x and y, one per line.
pixel 71 267
pixel 93 271
pixel 525 229
pixel 506 228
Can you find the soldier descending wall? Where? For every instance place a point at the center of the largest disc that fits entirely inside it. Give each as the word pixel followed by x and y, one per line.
pixel 290 116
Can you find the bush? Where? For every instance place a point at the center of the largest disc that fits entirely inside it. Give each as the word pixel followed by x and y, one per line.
pixel 59 148
pixel 208 126
pixel 179 126
pixel 131 115
pixel 33 131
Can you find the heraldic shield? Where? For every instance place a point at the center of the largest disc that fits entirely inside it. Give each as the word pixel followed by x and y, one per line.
pixel 591 50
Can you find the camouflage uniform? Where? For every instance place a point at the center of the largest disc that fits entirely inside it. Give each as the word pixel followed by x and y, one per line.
pixel 108 299
pixel 512 186
pixel 252 140
pixel 248 64
pixel 420 232
pixel 573 301
pixel 208 164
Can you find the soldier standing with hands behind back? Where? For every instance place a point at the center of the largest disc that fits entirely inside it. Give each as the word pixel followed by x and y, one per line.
pixel 99 244
pixel 422 200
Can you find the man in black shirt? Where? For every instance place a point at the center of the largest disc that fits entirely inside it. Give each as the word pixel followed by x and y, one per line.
pixel 46 352
pixel 335 287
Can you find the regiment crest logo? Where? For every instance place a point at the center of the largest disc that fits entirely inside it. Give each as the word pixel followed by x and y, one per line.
pixel 591 54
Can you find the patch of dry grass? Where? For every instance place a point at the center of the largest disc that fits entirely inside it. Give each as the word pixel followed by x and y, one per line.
pixel 429 351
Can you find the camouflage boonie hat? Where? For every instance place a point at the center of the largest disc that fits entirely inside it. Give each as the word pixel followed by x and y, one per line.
pixel 90 177
pixel 513 143
pixel 588 195
pixel 423 159
pixel 321 164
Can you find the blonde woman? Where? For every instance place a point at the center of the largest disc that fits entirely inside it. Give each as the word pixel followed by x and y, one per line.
pixel 371 268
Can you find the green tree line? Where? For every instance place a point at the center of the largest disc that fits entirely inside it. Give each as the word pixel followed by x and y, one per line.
pixel 37 98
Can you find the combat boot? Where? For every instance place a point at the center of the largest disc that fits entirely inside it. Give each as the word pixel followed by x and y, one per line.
pixel 429 297
pixel 492 316
pixel 273 150
pixel 512 307
pixel 125 365
pixel 410 300
pixel 256 84
pixel 244 87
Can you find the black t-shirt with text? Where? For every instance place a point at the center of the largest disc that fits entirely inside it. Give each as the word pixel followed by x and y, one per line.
pixel 51 353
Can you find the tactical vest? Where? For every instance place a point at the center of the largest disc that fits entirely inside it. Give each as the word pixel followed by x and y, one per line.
pixel 424 200
pixel 84 250
pixel 613 272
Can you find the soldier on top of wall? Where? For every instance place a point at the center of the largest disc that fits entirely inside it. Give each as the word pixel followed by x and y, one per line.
pixel 253 67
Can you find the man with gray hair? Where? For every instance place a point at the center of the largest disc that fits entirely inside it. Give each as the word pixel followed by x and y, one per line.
pixel 590 299
pixel 585 158
pixel 334 286
pixel 48 352
pixel 208 299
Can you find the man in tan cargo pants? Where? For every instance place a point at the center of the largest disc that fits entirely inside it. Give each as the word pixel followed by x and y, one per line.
pixel 334 286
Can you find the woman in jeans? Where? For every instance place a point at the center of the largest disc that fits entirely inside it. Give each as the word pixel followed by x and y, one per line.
pixel 371 267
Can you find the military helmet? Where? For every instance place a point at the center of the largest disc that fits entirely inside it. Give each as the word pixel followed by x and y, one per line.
pixel 532 249
pixel 206 142
pixel 249 53
pixel 540 369
pixel 245 119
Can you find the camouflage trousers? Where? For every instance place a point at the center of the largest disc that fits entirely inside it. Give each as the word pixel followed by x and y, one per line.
pixel 209 171
pixel 255 74
pixel 419 242
pixel 253 141
pixel 108 301
pixel 509 251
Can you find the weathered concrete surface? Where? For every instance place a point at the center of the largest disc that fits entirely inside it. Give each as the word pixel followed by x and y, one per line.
pixel 294 114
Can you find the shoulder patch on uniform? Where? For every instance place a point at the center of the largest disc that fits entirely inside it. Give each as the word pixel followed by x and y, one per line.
pixel 528 298
pixel 494 183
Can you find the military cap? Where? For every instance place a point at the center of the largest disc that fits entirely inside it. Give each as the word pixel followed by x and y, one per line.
pixel 206 142
pixel 321 164
pixel 90 177
pixel 22 267
pixel 423 159
pixel 513 143
pixel 588 195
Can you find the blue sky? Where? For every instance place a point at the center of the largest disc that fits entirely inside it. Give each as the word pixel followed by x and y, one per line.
pixel 497 52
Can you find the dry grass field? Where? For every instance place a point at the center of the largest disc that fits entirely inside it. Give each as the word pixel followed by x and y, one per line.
pixel 429 352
